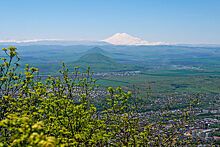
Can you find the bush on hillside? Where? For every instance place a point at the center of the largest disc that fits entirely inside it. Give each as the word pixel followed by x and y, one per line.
pixel 58 111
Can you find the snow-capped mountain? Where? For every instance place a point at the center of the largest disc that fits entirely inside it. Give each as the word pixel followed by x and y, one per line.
pixel 126 39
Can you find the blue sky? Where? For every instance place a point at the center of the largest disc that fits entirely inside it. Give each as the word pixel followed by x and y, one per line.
pixel 173 21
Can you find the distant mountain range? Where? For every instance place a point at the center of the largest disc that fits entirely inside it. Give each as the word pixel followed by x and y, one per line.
pixel 52 42
pixel 117 39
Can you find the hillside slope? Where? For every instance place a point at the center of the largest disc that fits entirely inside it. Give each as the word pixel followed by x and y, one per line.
pixel 100 63
pixel 97 50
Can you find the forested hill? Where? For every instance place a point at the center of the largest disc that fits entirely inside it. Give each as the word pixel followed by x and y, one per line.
pixel 100 63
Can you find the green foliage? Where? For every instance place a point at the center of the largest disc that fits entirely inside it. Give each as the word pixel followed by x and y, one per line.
pixel 58 111
pixel 22 131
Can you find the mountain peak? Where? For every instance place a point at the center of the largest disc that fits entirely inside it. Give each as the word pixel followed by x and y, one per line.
pixel 96 58
pixel 122 34
pixel 95 50
pixel 126 39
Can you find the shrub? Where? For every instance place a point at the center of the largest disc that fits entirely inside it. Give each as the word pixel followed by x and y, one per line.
pixel 58 111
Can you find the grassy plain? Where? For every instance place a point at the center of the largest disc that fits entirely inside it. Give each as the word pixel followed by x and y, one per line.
pixel 168 82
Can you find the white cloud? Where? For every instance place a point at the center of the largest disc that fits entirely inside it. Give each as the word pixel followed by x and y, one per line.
pixel 33 40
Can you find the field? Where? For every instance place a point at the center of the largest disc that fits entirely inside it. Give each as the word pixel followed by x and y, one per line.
pixel 168 82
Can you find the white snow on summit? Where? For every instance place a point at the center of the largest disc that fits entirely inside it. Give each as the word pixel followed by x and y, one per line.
pixel 126 39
